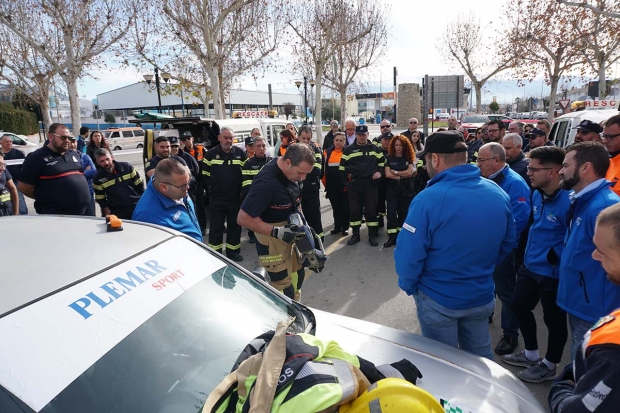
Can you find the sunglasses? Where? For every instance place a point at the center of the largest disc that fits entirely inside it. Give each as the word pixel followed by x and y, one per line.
pixel 64 138
pixel 413 123
pixel 385 126
pixel 182 139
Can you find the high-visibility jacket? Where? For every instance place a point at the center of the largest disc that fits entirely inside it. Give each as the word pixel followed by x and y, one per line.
pixel 311 183
pixel 613 173
pixel 315 375
pixel 121 188
pixel 334 179
pixel 223 173
pixel 251 168
pixel 362 161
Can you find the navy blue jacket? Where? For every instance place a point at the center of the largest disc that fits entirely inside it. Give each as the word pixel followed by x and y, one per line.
pixel 545 242
pixel 519 165
pixel 439 250
pixel 584 289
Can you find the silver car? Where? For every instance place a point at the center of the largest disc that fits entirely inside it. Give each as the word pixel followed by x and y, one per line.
pixel 149 320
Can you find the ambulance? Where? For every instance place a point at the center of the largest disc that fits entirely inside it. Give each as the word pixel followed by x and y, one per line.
pixel 563 128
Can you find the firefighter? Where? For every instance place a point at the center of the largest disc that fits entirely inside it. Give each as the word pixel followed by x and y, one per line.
pixel 335 181
pixel 399 169
pixel 363 162
pixel 383 143
pixel 310 200
pixel 198 153
pixel 118 186
pixel 274 195
pixel 252 167
pixel 222 169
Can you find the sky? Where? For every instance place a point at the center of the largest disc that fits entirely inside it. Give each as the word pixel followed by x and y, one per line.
pixel 416 27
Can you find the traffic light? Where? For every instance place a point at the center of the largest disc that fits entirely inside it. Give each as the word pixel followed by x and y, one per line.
pixel 430 111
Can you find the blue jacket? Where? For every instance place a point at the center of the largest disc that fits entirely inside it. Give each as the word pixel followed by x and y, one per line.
pixel 519 193
pixel 88 173
pixel 457 230
pixel 156 208
pixel 545 242
pixel 584 289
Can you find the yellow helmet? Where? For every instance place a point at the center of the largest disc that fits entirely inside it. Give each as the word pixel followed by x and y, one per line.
pixel 393 396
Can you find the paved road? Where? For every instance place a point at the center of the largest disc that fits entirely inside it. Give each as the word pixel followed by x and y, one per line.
pixel 361 282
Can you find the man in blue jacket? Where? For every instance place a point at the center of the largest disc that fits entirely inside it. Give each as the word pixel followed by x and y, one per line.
pixel 439 261
pixel 492 163
pixel 166 201
pixel 538 278
pixel 584 292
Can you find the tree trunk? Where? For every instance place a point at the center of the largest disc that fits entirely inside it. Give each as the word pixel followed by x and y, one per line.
pixel 343 105
pixel 552 97
pixel 602 77
pixel 478 88
pixel 318 106
pixel 44 103
pixel 74 103
pixel 216 96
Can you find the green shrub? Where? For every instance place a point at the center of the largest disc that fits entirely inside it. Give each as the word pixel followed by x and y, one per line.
pixel 18 121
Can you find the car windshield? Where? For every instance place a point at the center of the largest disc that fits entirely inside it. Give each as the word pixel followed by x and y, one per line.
pixel 173 361
pixel 475 119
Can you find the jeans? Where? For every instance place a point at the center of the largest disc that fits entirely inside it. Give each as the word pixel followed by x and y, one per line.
pixel 578 328
pixel 529 290
pixel 505 279
pixel 466 329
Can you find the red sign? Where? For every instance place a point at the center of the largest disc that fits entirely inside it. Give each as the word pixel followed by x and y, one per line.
pixel 564 103
pixel 600 103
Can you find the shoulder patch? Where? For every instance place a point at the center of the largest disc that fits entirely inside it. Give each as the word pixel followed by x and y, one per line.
pixel 409 228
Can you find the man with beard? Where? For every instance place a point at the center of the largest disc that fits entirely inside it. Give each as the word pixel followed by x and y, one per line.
pixel 588 131
pixel 584 291
pixel 589 384
pixel 162 151
pixel 496 131
pixel 118 186
pixel 611 141
pixel 54 177
pixel 451 277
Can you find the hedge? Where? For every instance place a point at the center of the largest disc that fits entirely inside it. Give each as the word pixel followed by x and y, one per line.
pixel 17 121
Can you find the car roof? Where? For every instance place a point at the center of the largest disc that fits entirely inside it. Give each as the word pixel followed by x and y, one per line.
pixel 598 115
pixel 44 254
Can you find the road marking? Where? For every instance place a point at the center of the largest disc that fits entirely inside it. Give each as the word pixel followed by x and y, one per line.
pixel 333 246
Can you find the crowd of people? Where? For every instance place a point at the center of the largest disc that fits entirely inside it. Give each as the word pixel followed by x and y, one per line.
pixel 506 215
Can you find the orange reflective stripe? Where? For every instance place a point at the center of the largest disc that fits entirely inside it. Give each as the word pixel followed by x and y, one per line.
pixel 606 330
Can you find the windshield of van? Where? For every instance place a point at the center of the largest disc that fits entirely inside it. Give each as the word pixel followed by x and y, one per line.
pixel 173 361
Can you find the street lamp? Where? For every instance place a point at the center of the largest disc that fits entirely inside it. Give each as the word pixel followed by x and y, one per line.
pixel 305 82
pixel 157 86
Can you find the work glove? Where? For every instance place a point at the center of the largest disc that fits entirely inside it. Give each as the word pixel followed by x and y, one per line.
pixel 288 233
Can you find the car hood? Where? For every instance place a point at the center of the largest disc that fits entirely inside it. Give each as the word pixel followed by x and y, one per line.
pixel 461 379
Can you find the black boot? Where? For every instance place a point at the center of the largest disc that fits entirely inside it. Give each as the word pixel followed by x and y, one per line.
pixel 372 236
pixel 391 241
pixel 355 238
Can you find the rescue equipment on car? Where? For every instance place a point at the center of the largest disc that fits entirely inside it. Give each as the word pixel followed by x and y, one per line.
pixel 113 223
pixel 310 247
pixel 300 373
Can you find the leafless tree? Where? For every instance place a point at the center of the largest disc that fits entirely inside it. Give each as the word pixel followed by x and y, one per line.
pixel 349 59
pixel 322 26
pixel 465 43
pixel 606 8
pixel 225 39
pixel 84 29
pixel 597 28
pixel 25 70
pixel 540 43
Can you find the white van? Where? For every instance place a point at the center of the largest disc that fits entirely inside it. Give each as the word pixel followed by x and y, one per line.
pixel 124 138
pixel 563 132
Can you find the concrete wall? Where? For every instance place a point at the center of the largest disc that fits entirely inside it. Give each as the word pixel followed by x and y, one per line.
pixel 408 104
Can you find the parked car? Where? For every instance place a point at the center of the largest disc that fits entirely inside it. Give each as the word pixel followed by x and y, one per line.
pixel 469 123
pixel 21 142
pixel 155 320
pixel 443 116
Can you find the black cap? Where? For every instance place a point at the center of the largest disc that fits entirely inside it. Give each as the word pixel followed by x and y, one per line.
pixel 589 126
pixel 446 141
pixel 249 141
pixel 361 129
pixel 535 132
pixel 174 141
pixel 186 134
pixel 388 135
